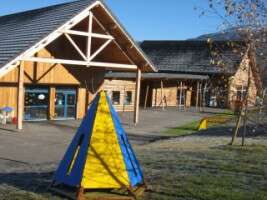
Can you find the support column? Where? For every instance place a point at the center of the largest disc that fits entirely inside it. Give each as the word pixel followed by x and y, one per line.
pixel 146 97
pixel 52 97
pixel 180 95
pixel 20 104
pixel 162 95
pixel 137 96
pixel 197 97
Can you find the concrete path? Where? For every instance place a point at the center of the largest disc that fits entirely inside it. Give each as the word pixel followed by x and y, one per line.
pixel 46 142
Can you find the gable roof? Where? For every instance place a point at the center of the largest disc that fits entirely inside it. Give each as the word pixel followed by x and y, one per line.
pixel 187 57
pixel 21 31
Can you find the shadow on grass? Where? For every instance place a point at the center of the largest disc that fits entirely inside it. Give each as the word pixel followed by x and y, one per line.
pixel 29 182
pixel 218 131
pixel 252 131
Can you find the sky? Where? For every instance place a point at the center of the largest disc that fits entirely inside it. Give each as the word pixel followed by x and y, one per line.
pixel 144 19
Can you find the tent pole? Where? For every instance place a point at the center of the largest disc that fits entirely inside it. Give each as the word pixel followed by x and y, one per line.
pixel 137 96
pixel 20 108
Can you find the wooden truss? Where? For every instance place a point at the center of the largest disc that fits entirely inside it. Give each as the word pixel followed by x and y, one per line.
pixel 89 55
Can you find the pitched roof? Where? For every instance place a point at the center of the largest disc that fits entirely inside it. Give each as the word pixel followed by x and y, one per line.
pixel 187 56
pixel 20 31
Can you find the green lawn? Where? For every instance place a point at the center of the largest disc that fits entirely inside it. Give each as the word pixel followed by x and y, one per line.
pixel 217 173
pixel 195 169
pixel 192 127
pixel 183 130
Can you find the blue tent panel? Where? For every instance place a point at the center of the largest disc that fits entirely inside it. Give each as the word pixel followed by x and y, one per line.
pixel 133 168
pixel 71 167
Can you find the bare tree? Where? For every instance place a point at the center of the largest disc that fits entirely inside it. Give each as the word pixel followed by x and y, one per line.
pixel 247 20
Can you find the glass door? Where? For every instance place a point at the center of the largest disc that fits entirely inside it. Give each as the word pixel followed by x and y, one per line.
pixel 65 104
pixel 36 103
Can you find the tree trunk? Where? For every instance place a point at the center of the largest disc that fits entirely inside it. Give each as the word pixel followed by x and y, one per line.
pixel 244 104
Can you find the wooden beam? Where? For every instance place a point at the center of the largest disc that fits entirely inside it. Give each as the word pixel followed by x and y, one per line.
pixel 204 96
pixel 137 96
pixel 56 61
pixel 89 41
pixel 113 65
pixel 99 50
pixel 20 103
pixel 81 63
pixel 52 97
pixel 180 95
pixel 87 34
pixel 161 95
pixel 129 38
pixel 80 193
pixel 76 47
pixel 119 46
pixel 146 97
pixel 47 40
pixel 197 97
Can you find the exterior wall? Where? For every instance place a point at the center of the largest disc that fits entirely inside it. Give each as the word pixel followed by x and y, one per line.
pixel 87 81
pixel 169 94
pixel 121 86
pixel 241 79
pixel 8 98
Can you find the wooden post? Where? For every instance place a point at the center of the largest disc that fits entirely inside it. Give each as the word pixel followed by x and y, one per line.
pixel 180 97
pixel 80 193
pixel 123 99
pixel 20 110
pixel 137 96
pixel 89 42
pixel 200 97
pixel 204 96
pixel 52 97
pixel 146 97
pixel 161 95
pixel 197 97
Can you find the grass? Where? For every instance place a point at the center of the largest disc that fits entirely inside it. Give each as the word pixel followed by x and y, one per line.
pixel 192 127
pixel 183 130
pixel 190 168
pixel 223 172
pixel 196 169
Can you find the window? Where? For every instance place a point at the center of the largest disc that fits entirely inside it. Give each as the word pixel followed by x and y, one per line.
pixel 116 97
pixel 128 98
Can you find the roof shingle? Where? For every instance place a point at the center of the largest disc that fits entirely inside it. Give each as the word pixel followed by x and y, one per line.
pixel 187 57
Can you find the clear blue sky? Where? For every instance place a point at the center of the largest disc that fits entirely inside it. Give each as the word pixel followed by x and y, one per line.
pixel 144 19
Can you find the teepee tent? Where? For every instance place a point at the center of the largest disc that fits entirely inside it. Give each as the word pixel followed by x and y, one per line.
pixel 100 156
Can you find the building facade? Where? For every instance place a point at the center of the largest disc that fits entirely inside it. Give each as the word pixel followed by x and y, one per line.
pixel 188 77
pixel 53 60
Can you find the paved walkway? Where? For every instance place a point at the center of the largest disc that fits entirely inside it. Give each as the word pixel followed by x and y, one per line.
pixel 46 142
